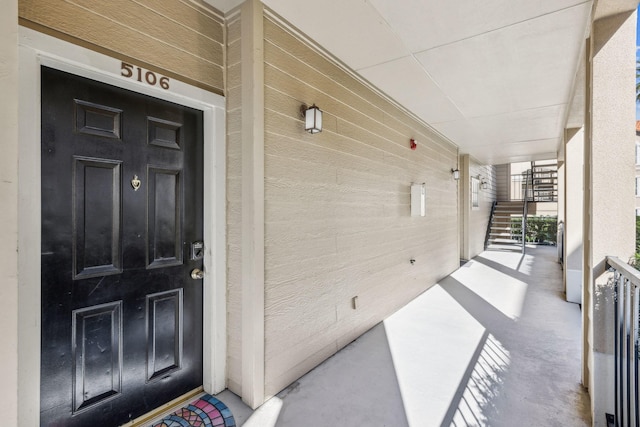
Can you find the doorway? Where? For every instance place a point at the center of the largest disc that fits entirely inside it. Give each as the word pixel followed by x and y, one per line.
pixel 122 251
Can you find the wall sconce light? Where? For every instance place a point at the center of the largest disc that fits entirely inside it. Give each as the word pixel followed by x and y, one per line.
pixel 456 174
pixel 484 184
pixel 312 118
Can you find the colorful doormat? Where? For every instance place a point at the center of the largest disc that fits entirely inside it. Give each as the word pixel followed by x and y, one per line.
pixel 207 411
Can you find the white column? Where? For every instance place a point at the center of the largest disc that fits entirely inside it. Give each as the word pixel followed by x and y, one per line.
pixel 609 190
pixel 9 212
pixel 252 56
pixel 464 192
pixel 573 211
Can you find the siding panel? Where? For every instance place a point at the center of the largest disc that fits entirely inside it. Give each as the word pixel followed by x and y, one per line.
pixel 503 182
pixel 479 218
pixel 143 34
pixel 337 209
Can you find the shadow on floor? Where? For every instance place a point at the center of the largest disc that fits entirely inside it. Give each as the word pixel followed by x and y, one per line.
pixel 493 344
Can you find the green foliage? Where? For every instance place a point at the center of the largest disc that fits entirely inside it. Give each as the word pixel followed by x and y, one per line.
pixel 540 229
pixel 638 235
pixel 635 261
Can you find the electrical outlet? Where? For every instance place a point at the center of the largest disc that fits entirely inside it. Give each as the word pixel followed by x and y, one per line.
pixel 354 302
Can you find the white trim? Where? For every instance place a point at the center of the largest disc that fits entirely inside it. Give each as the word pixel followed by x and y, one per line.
pixel 38 49
pixel 253 290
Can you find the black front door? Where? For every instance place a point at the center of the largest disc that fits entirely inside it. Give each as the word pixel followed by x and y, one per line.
pixel 122 207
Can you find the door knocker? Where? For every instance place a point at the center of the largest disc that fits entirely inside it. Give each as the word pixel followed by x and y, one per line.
pixel 135 183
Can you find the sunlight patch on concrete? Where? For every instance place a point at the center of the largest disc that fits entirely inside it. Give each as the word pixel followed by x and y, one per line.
pixel 500 290
pixel 515 261
pixel 432 340
pixel 477 403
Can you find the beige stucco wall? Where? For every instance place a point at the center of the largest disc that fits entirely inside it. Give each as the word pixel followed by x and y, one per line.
pixel 573 213
pixel 9 211
pixel 337 213
pixel 609 181
pixel 181 39
pixel 637 175
pixel 503 182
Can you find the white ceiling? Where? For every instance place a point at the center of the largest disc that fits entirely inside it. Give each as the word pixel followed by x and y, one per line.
pixel 494 76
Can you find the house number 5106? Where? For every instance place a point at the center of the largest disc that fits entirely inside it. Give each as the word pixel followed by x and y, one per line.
pixel 142 75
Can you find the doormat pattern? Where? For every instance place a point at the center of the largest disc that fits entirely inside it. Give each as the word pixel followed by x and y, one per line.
pixel 207 411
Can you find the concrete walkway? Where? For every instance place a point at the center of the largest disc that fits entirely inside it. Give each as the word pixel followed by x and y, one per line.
pixel 494 344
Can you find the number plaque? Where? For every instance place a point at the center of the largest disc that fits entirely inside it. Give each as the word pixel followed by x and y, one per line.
pixel 144 76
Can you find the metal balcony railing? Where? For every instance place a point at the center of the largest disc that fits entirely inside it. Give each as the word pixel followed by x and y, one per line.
pixel 538 184
pixel 525 210
pixel 627 318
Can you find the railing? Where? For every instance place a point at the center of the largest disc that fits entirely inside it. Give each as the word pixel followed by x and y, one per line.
pixel 525 211
pixel 487 236
pixel 627 318
pixel 538 184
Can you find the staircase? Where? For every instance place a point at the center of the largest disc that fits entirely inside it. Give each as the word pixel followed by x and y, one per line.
pixel 500 233
pixel 545 181
pixel 539 184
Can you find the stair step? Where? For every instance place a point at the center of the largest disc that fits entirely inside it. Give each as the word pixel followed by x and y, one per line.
pixel 504 242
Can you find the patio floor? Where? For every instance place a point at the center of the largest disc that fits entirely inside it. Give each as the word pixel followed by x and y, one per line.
pixel 493 344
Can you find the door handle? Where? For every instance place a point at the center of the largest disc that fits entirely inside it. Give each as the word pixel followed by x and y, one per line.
pixel 197 274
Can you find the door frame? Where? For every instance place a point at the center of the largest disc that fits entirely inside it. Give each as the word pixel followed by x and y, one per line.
pixel 37 49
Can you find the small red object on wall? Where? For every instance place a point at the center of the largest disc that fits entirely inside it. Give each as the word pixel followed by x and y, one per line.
pixel 414 145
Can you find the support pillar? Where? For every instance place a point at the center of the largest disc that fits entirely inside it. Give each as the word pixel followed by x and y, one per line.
pixel 573 212
pixel 252 57
pixel 464 192
pixel 609 191
pixel 9 212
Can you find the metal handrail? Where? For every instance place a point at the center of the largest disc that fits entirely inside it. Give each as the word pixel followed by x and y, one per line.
pixel 524 210
pixel 629 271
pixel 533 192
pixel 488 233
pixel 627 317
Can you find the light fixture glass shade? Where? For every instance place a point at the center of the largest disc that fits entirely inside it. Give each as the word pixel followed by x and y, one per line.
pixel 313 119
pixel 456 174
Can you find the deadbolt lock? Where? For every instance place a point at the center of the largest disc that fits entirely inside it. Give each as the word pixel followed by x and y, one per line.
pixel 197 250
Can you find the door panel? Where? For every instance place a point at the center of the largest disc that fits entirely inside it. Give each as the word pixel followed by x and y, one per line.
pixel 97 240
pixel 164 217
pixel 164 346
pixel 97 361
pixel 121 203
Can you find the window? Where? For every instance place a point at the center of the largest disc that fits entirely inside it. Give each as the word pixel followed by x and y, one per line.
pixel 637 153
pixel 637 186
pixel 475 190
